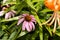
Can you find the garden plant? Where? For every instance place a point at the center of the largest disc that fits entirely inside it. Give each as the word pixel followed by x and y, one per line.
pixel 29 19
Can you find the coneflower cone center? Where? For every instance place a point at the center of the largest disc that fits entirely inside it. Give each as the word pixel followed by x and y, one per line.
pixel 28 18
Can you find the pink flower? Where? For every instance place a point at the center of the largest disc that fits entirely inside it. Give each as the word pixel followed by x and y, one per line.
pixel 10 14
pixel 1 13
pixel 28 22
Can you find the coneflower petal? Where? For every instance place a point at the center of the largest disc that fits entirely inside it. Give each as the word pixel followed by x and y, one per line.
pixel 1 13
pixel 23 26
pixel 7 15
pixel 34 21
pixel 27 26
pixel 12 14
pixel 24 15
pixel 20 21
pixel 32 25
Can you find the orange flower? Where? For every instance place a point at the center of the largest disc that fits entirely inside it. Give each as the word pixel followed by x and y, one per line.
pixel 49 4
pixel 55 18
pixel 52 4
pixel 58 2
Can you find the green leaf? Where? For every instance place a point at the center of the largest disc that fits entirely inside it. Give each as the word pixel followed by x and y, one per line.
pixel 12 35
pixel 4 27
pixel 49 30
pixel 35 0
pixel 37 18
pixel 41 33
pixel 20 5
pixel 57 32
pixel 5 37
pixel 46 36
pixel 35 33
pixel 40 26
pixel 22 34
pixel 12 24
pixel 1 33
pixel 46 10
pixel 15 34
pixel 30 4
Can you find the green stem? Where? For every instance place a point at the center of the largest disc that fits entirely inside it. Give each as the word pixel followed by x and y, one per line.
pixel 11 19
pixel 12 24
pixel 41 33
pixel 40 25
pixel 37 18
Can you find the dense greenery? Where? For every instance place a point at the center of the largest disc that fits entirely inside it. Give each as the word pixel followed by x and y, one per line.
pixel 10 31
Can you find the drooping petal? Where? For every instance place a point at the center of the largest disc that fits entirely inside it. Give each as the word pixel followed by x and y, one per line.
pixel 27 26
pixel 23 26
pixel 20 21
pixel 1 13
pixel 34 21
pixel 33 18
pixel 32 25
pixel 12 14
pixel 7 15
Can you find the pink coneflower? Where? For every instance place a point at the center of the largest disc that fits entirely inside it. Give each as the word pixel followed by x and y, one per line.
pixel 28 22
pixel 1 13
pixel 10 14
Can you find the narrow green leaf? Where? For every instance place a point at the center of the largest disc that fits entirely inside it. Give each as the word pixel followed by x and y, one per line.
pixel 35 0
pixel 46 36
pixel 22 34
pixel 35 34
pixel 46 10
pixel 57 33
pixel 37 18
pixel 12 24
pixel 1 33
pixel 49 30
pixel 30 4
pixel 5 37
pixel 11 19
pixel 12 35
pixel 4 27
pixel 15 34
pixel 41 33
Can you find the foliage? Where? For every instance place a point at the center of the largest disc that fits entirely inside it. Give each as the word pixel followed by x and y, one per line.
pixel 10 31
